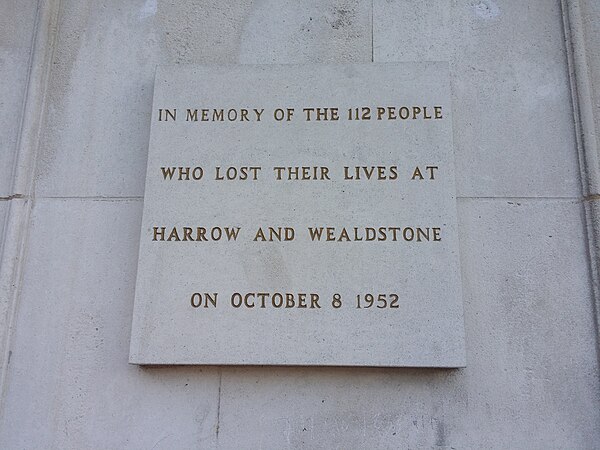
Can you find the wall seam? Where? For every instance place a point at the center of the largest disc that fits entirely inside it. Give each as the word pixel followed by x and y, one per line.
pixel 587 144
pixel 16 227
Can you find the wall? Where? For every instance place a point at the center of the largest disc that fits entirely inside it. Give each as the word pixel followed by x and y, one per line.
pixel 75 125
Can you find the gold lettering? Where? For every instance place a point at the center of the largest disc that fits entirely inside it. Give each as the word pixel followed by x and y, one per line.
pixel 371 234
pixel 159 234
pixel 417 173
pixel 344 236
pixel 192 115
pixel 315 233
pixel 260 235
pixel 314 301
pixel 187 234
pixel 164 115
pixel 302 173
pixel 168 172
pixel 301 300
pixel 201 234
pixel 277 300
pixel 173 236
pixel 184 172
pixel 431 169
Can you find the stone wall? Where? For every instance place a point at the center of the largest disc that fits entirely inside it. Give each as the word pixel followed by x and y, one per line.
pixel 76 90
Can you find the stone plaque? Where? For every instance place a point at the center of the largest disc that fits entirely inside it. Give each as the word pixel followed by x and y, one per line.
pixel 300 215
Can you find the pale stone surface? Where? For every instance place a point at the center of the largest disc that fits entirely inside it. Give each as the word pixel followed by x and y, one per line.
pixel 590 11
pixel 423 326
pixel 70 384
pixel 292 32
pixel 12 224
pixel 583 36
pixel 3 211
pixel 531 377
pixel 513 126
pixel 100 92
pixel 99 88
pixel 531 380
pixel 16 34
pixel 529 79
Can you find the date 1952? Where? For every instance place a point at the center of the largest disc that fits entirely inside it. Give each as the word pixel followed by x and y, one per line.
pixel 287 300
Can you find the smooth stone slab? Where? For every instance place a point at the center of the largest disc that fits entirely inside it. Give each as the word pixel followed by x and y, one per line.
pixel 4 207
pixel 513 126
pixel 291 32
pixel 532 372
pixel 111 53
pixel 17 26
pixel 310 313
pixel 76 340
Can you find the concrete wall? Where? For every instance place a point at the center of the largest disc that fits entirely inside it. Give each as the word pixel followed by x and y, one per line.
pixel 75 125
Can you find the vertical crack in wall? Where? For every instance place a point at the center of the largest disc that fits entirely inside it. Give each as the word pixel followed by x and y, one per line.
pixel 16 228
pixel 372 31
pixel 587 148
pixel 218 409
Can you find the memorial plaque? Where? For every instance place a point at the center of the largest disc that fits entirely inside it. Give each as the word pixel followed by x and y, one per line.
pixel 300 215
